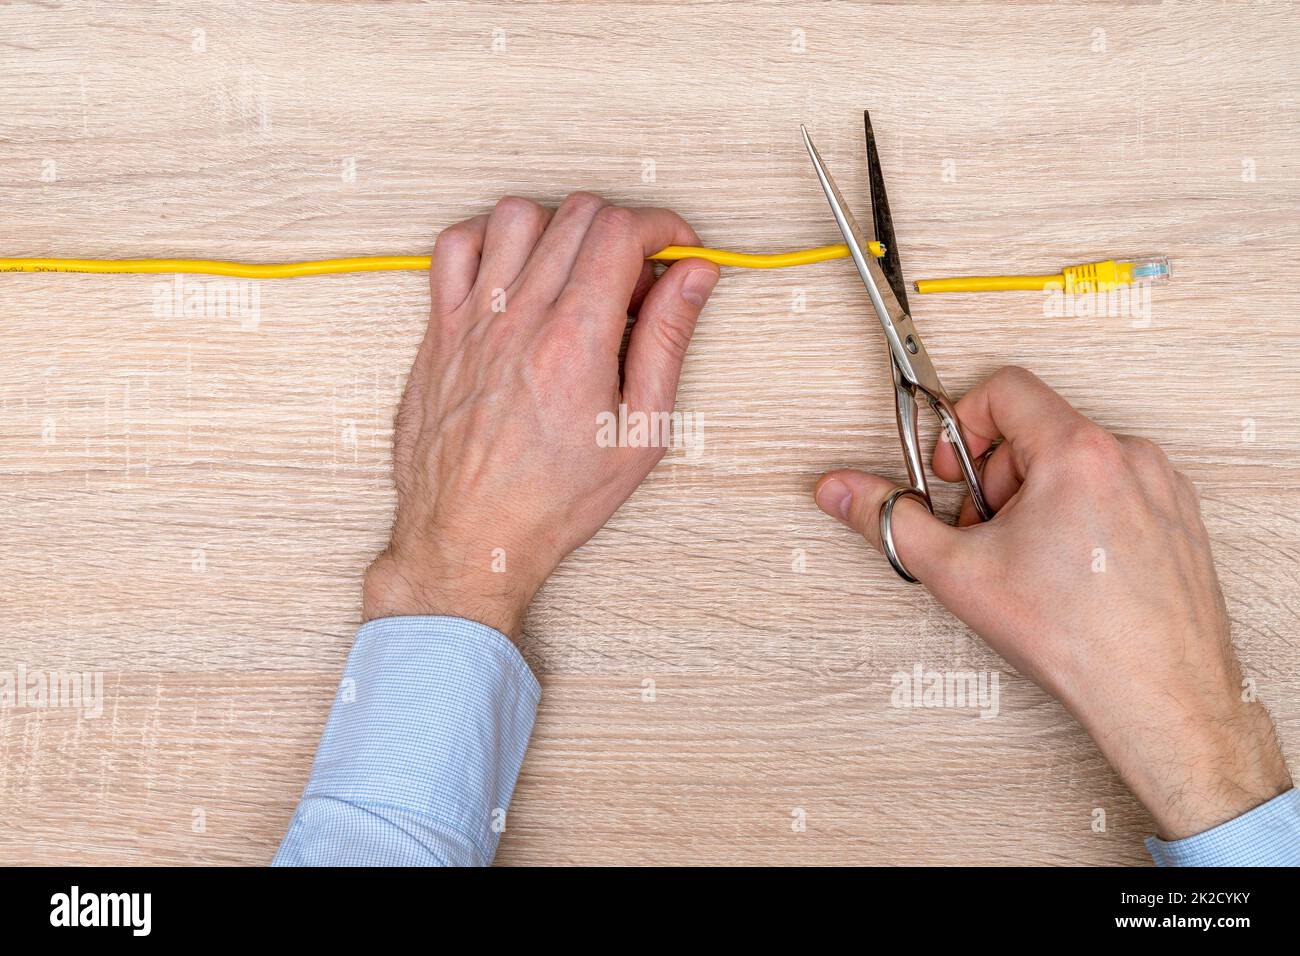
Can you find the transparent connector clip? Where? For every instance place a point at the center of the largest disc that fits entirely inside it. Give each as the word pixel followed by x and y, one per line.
pixel 1152 270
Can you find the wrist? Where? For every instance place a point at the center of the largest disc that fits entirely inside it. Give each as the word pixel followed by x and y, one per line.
pixel 1202 772
pixel 398 585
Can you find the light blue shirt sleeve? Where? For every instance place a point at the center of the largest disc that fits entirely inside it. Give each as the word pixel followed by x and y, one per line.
pixel 421 750
pixel 428 731
pixel 1269 835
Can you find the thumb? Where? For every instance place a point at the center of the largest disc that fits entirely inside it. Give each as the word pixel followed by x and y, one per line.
pixel 662 331
pixel 926 545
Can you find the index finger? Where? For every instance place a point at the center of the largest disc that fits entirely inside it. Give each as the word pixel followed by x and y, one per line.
pixel 1014 404
pixel 613 253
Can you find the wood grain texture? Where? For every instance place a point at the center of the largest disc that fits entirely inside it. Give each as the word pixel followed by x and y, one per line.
pixel 187 502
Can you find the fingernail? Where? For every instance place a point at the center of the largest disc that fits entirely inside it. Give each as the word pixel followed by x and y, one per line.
pixel 697 285
pixel 834 498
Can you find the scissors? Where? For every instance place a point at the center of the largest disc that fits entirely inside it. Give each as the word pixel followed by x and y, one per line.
pixel 914 373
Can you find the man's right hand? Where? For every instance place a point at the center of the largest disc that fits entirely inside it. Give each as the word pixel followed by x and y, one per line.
pixel 1095 579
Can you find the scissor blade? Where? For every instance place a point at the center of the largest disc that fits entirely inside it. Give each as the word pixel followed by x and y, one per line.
pixel 884 222
pixel 853 234
pixel 888 309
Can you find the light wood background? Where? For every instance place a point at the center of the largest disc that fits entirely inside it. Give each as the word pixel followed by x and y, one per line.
pixel 187 502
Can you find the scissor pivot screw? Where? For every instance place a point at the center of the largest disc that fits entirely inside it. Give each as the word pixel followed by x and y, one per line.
pixel 910 343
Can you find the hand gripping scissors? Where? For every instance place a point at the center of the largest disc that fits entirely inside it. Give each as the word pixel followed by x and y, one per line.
pixel 914 373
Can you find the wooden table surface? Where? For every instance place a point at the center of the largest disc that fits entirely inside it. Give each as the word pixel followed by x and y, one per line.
pixel 189 496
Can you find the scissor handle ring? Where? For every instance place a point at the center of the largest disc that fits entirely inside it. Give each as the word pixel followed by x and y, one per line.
pixel 887 528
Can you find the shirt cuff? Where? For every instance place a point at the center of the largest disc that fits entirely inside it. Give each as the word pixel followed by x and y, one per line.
pixel 1269 835
pixel 419 757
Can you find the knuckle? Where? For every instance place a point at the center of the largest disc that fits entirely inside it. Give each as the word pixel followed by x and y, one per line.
pixel 1014 374
pixel 557 353
pixel 1013 383
pixel 1091 447
pixel 456 235
pixel 1148 455
pixel 618 220
pixel 674 216
pixel 673 335
pixel 864 518
pixel 583 202
pixel 1010 380
pixel 516 208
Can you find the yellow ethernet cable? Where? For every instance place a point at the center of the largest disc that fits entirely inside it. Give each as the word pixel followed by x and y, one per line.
pixel 318 267
pixel 1089 277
